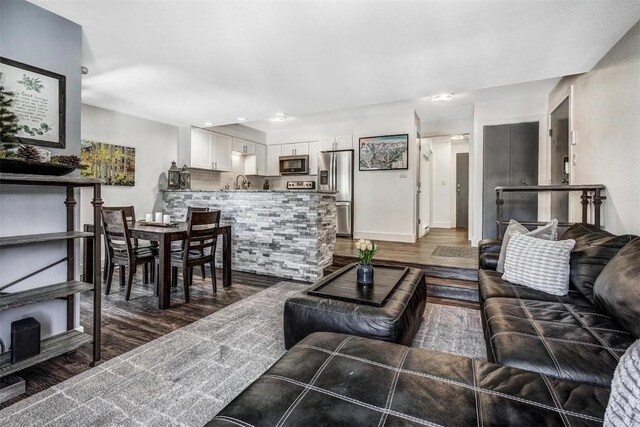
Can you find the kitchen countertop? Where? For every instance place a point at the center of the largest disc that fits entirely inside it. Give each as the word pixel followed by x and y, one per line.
pixel 251 190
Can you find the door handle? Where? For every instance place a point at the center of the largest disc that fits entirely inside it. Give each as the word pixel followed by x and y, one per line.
pixel 524 182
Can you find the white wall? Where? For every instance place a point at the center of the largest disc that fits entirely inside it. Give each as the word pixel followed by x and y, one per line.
pixel 606 119
pixel 497 113
pixel 156 146
pixel 426 179
pixel 441 188
pixel 384 202
pixel 452 126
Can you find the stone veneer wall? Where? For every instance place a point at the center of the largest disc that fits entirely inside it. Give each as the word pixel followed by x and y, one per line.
pixel 288 234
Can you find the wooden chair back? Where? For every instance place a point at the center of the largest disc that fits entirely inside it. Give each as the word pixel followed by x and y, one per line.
pixel 116 232
pixel 202 232
pixel 129 212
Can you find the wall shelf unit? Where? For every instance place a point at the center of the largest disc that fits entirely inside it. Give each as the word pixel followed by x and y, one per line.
pixel 71 339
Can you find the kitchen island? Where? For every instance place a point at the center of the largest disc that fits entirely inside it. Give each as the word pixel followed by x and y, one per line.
pixel 288 234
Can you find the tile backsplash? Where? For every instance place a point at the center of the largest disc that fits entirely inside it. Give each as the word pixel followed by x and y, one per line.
pixel 213 180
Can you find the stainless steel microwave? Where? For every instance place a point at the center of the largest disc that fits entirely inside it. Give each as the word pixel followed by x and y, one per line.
pixel 294 165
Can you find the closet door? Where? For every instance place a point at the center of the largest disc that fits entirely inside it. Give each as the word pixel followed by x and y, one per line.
pixel 524 171
pixel 510 157
pixel 496 171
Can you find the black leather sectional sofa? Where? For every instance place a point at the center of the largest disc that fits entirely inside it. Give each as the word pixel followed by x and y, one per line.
pixel 573 337
pixel 554 357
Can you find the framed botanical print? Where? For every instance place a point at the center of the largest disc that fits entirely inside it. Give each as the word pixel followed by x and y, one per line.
pixel 38 102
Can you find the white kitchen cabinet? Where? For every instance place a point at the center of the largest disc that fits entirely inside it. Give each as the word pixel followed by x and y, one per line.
pixel 243 146
pixel 314 149
pixel 332 143
pixel 256 164
pixel 344 142
pixel 200 148
pixel 296 149
pixel 273 159
pixel 221 148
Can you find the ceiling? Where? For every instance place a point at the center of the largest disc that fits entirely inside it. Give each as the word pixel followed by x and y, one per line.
pixel 191 62
pixel 460 107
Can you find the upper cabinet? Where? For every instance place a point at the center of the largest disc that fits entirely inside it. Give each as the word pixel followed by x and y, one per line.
pixel 203 149
pixel 296 149
pixel 200 156
pixel 273 159
pixel 242 146
pixel 314 149
pixel 332 143
pixel 221 152
pixel 256 164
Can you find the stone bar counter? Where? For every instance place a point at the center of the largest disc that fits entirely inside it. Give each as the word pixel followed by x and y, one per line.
pixel 288 234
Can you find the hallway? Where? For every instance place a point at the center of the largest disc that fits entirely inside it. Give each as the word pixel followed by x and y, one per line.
pixel 451 242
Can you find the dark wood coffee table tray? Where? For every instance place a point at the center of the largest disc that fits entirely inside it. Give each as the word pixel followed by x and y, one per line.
pixel 342 285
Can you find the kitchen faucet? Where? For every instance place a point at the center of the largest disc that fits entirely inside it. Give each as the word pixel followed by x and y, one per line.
pixel 245 181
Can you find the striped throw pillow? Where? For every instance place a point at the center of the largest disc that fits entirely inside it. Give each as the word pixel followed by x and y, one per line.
pixel 538 264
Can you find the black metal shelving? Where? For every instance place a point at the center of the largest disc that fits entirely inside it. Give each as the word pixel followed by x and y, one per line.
pixel 71 339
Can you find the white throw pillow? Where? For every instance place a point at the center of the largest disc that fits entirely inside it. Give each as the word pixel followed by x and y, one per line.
pixel 538 264
pixel 623 409
pixel 548 231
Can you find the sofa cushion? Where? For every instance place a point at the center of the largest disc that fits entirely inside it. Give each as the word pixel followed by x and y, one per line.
pixel 333 379
pixel 538 264
pixel 547 232
pixel 572 342
pixel 584 233
pixel 589 258
pixel 493 286
pixel 617 288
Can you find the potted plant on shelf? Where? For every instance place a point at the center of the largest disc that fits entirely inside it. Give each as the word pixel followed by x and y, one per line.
pixel 367 249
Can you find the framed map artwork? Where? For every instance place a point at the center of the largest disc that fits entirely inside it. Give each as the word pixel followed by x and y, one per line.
pixel 388 152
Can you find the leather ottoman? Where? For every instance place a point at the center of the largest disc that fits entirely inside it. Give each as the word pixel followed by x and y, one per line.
pixel 396 321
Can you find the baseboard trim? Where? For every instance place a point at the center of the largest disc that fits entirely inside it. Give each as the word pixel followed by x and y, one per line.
pixel 441 225
pixel 388 237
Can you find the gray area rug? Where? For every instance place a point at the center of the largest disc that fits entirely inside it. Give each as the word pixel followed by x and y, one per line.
pixel 184 378
pixel 455 251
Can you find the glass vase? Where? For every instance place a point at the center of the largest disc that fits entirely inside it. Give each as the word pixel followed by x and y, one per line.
pixel 365 274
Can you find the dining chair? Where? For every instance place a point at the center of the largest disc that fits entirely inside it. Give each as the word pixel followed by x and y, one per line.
pixel 180 245
pixel 121 251
pixel 130 216
pixel 199 248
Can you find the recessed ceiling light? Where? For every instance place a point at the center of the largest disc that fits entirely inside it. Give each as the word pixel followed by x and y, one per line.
pixel 208 124
pixel 241 119
pixel 442 97
pixel 279 117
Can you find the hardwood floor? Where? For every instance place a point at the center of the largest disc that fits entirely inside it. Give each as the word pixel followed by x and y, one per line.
pixel 420 252
pixel 129 324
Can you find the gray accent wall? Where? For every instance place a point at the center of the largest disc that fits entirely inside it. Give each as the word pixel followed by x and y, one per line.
pixel 34 36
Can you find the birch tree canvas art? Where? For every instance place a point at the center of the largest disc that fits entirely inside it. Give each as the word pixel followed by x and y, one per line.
pixel 112 164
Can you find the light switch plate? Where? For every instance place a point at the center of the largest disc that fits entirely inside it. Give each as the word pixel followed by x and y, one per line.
pixel 403 175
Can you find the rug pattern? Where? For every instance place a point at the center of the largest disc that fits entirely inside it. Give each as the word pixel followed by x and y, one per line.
pixel 455 252
pixel 186 377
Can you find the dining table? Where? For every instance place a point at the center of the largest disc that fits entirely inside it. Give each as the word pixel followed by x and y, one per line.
pixel 165 235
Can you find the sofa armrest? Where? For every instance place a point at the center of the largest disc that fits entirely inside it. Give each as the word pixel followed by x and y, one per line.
pixel 488 247
pixel 488 261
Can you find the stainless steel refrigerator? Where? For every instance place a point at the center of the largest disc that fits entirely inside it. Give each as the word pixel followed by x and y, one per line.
pixel 335 173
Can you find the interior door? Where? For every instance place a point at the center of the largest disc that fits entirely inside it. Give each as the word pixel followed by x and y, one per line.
pixel 510 157
pixel 496 164
pixel 462 190
pixel 559 155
